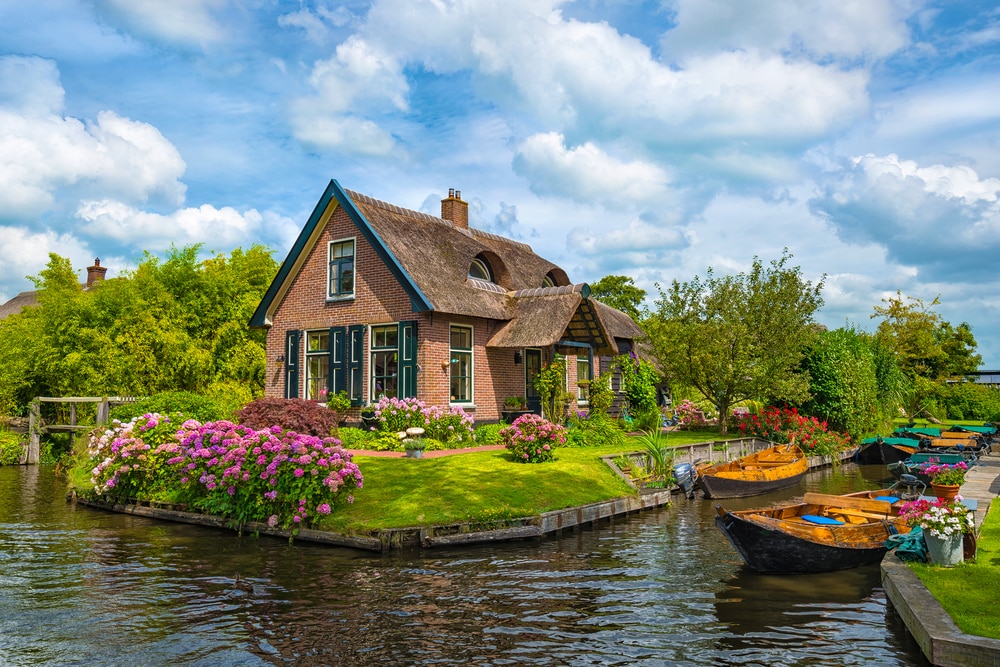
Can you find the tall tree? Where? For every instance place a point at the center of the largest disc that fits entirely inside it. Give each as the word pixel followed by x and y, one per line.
pixel 925 345
pixel 737 337
pixel 620 292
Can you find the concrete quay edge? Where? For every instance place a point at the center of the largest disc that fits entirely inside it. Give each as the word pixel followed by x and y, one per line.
pixel 940 640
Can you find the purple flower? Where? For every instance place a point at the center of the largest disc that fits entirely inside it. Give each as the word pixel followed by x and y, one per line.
pixel 272 520
pixel 299 472
pixel 323 508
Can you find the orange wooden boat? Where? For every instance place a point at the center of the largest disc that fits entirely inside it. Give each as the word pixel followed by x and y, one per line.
pixel 767 470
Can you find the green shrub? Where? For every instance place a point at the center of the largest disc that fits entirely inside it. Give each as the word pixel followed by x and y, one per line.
pixel 291 414
pixel 230 396
pixel 356 438
pixel 188 404
pixel 11 446
pixel 593 430
pixel 488 434
pixel 968 400
pixel 532 438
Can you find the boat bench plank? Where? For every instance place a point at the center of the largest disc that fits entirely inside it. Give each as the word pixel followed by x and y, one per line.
pixel 866 504
pixel 860 513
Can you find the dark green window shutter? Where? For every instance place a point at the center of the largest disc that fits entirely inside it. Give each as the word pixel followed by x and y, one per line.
pixel 355 363
pixel 292 339
pixel 407 359
pixel 338 360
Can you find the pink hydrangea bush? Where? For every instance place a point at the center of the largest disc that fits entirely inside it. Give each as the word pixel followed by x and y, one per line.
pixel 229 470
pixel 532 438
pixel 451 424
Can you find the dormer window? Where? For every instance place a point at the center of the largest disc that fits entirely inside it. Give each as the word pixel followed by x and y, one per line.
pixel 548 281
pixel 480 270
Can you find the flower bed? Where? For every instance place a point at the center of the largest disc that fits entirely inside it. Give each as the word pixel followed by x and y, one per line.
pixel 224 469
pixel 785 425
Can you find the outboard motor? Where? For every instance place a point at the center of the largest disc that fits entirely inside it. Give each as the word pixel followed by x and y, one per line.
pixel 910 487
pixel 685 477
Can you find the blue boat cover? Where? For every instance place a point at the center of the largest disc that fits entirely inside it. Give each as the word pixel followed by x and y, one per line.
pixel 824 520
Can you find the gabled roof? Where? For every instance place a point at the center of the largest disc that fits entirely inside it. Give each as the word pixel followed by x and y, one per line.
pixel 430 257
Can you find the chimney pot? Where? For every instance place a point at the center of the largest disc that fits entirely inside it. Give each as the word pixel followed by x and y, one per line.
pixel 454 209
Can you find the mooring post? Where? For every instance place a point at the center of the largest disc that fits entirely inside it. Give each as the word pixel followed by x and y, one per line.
pixel 34 433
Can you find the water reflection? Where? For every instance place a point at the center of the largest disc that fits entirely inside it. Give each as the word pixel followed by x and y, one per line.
pixel 85 587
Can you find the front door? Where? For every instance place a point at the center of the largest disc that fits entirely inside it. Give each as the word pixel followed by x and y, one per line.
pixel 532 367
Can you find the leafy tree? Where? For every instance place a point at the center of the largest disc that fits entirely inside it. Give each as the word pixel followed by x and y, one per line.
pixel 177 324
pixel 843 382
pixel 923 343
pixel 737 337
pixel 621 293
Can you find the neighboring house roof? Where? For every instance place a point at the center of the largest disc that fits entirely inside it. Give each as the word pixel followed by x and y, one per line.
pixel 431 256
pixel 22 300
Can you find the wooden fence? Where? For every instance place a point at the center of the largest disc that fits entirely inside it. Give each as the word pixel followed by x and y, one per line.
pixel 36 427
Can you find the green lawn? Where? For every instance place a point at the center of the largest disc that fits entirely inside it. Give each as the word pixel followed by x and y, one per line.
pixel 969 591
pixel 400 492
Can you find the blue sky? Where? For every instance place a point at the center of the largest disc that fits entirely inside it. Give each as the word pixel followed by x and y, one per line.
pixel 652 139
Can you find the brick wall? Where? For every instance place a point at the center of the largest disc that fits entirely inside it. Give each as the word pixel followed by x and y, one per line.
pixel 379 299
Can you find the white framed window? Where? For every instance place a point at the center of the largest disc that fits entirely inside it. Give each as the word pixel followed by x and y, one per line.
pixel 461 364
pixel 340 276
pixel 582 375
pixel 317 364
pixel 384 365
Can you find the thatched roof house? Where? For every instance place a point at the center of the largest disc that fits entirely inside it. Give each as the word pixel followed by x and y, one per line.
pixel 465 294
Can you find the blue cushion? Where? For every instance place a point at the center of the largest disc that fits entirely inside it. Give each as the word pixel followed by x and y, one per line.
pixel 888 499
pixel 825 520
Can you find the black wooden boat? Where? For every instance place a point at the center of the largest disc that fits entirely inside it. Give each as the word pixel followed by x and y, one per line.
pixel 821 534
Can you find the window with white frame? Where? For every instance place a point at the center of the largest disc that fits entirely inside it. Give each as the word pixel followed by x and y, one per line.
pixel 582 375
pixel 317 364
pixel 461 364
pixel 341 272
pixel 384 361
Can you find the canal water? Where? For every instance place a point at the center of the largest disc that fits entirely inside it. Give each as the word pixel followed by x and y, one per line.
pixel 80 586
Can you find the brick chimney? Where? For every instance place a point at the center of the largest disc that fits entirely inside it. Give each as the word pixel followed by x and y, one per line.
pixel 454 209
pixel 96 272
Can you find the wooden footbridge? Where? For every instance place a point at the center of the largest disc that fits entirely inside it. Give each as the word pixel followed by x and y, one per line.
pixel 36 426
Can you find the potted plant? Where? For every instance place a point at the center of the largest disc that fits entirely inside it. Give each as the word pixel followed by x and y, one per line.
pixel 513 407
pixel 414 448
pixel 943 522
pixel 946 479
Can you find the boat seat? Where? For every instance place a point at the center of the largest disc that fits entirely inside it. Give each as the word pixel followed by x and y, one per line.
pixel 888 499
pixel 822 520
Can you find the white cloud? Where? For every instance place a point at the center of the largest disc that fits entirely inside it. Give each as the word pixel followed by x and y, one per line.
pixel 943 219
pixel 191 22
pixel 586 173
pixel 218 229
pixel 24 252
pixel 823 28
pixel 359 79
pixel 41 151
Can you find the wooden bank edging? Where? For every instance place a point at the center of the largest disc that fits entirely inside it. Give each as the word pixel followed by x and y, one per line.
pixel 547 523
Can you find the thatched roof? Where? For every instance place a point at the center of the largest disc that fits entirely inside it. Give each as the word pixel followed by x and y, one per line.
pixel 431 256
pixel 22 300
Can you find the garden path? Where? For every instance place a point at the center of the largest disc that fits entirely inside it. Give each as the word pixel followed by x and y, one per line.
pixel 428 454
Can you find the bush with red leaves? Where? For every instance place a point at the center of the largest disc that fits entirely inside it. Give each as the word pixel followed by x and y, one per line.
pixel 291 414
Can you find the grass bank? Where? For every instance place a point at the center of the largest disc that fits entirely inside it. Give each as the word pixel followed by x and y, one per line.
pixel 968 592
pixel 482 487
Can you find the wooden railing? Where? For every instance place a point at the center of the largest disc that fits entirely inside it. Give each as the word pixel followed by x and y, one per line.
pixel 36 428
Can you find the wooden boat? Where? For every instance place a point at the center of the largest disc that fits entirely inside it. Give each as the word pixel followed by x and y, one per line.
pixel 767 470
pixel 914 464
pixel 897 449
pixel 821 534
